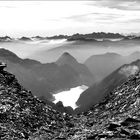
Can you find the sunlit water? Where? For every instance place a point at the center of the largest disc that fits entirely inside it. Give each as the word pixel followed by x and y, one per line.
pixel 70 97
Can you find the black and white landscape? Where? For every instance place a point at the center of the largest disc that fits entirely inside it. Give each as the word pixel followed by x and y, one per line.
pixel 70 70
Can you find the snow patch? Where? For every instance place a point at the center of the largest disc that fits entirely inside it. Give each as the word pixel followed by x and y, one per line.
pixel 69 98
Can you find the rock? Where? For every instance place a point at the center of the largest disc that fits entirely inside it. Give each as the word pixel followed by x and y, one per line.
pixel 2 66
pixel 113 126
pixel 23 115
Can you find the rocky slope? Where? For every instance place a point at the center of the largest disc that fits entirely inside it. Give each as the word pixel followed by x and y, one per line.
pixel 117 117
pixel 23 116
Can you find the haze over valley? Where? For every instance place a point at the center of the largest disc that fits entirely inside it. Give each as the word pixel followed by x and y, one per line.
pixel 57 67
pixel 49 50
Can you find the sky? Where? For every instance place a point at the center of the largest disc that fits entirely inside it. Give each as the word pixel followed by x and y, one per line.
pixel 47 18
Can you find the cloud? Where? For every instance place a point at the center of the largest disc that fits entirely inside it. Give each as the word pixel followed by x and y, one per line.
pixel 8 7
pixel 95 17
pixel 118 4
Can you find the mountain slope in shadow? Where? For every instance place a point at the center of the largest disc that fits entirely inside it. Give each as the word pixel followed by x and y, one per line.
pixel 41 79
pixel 99 91
pixel 104 64
pixel 24 116
pixel 84 74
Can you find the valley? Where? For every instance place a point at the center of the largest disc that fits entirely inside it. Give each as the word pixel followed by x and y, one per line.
pixel 66 71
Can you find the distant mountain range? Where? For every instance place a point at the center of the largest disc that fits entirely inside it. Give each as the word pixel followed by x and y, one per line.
pixel 99 36
pixel 5 39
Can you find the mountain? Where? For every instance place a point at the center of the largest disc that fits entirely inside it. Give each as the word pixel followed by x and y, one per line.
pixel 93 36
pixel 66 58
pixel 58 37
pixel 84 74
pixel 5 39
pixel 24 116
pixel 42 79
pixel 115 118
pixel 38 38
pixel 8 55
pixel 104 64
pixel 25 39
pixel 78 37
pixel 99 91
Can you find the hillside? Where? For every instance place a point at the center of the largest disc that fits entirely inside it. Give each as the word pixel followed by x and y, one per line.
pixel 41 79
pixel 23 116
pixel 97 92
pixel 85 75
pixel 115 118
pixel 104 64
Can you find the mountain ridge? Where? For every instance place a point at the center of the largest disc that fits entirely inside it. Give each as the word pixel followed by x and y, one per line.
pixel 102 65
pixel 85 75
pixel 97 92
pixel 77 36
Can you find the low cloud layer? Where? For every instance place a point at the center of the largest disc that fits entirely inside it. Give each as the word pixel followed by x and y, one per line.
pixel 119 4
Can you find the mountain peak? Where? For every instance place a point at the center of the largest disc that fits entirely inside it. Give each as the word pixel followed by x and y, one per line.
pixel 5 38
pixel 66 54
pixel 8 55
pixel 66 58
pixel 25 38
